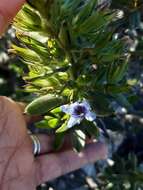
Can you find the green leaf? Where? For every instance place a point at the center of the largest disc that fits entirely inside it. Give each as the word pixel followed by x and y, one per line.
pixel 84 13
pixel 52 82
pixel 42 124
pixel 52 122
pixel 43 104
pixel 78 140
pixel 34 44
pixel 63 128
pixel 116 89
pixel 56 110
pixel 59 140
pixel 91 129
pixel 117 72
pixel 48 123
pixel 63 35
pixel 93 23
pixel 28 55
pixel 123 101
pixel 28 19
pixel 100 104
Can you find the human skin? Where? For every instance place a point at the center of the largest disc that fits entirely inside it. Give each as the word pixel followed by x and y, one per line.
pixel 19 169
pixel 8 9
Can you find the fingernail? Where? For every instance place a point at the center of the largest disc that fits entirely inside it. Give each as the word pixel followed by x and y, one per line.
pixel 2 24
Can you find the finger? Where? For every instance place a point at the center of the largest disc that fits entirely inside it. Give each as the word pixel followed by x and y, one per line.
pixel 54 165
pixel 46 143
pixel 8 10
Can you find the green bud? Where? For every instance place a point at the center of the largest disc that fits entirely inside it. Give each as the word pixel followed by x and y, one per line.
pixel 43 104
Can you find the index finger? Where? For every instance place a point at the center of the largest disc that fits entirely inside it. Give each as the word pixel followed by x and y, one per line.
pixel 56 164
pixel 8 9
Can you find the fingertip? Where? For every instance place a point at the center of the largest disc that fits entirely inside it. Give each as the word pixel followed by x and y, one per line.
pixel 96 151
pixel 8 10
pixel 103 150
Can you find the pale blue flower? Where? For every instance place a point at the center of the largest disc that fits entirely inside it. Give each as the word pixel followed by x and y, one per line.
pixel 78 111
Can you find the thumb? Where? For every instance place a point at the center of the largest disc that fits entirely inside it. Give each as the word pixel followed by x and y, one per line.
pixel 8 9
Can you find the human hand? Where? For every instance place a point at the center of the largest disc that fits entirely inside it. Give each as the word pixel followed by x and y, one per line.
pixel 19 169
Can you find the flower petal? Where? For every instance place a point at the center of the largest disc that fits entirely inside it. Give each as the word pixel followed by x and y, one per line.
pixel 72 121
pixel 69 108
pixel 85 104
pixel 90 116
pixel 73 107
pixel 65 108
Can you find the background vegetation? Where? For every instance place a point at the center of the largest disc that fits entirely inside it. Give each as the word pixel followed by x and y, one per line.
pixel 124 169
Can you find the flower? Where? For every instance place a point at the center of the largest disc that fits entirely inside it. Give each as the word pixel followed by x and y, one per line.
pixel 78 111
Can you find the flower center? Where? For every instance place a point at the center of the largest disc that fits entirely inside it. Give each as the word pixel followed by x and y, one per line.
pixel 80 110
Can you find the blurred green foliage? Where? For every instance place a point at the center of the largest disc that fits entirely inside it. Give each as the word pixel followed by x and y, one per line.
pixel 75 51
pixel 11 69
